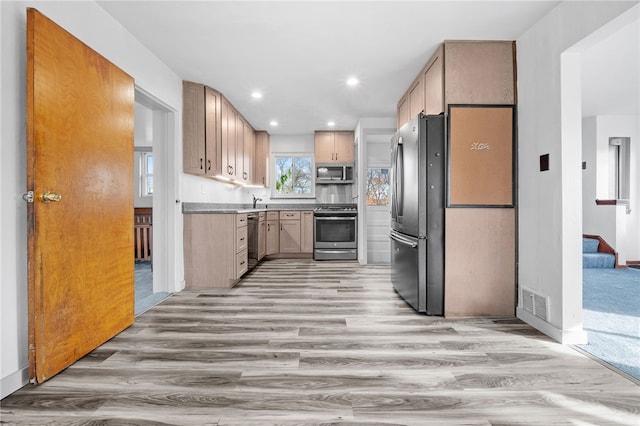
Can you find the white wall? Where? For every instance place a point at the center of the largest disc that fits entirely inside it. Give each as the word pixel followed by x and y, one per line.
pixel 618 228
pixel 550 219
pixel 91 24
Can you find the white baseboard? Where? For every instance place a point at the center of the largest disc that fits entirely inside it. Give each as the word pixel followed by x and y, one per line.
pixel 13 382
pixel 566 337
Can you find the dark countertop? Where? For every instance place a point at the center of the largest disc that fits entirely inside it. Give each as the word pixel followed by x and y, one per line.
pixel 221 208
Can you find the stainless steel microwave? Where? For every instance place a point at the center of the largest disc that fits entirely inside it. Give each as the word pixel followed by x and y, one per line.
pixel 334 173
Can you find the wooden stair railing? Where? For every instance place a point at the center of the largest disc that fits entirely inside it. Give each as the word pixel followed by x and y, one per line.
pixel 143 234
pixel 604 247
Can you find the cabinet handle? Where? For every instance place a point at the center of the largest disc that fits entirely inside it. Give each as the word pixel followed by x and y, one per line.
pixel 332 156
pixel 281 227
pixel 200 163
pixel 209 164
pixel 336 156
pixel 242 263
pixel 244 175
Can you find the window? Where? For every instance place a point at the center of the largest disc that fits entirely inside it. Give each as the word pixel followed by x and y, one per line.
pixel 146 174
pixel 377 186
pixel 619 168
pixel 293 176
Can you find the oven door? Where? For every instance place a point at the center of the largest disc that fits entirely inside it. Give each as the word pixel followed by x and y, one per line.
pixel 335 231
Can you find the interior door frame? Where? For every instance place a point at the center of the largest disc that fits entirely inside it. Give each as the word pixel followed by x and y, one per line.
pixel 166 199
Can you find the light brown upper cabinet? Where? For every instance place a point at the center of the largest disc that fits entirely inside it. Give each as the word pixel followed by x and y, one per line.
pixel 462 72
pixel 334 147
pixel 249 152
pixel 261 159
pixel 201 129
pixel 228 139
pixel 217 140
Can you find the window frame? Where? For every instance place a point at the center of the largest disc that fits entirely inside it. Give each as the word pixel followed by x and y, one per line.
pixel 366 192
pixel 274 175
pixel 144 174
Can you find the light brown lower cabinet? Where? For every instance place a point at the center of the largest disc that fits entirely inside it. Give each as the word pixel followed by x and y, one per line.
pixel 262 235
pixel 289 231
pixel 306 232
pixel 215 250
pixel 273 233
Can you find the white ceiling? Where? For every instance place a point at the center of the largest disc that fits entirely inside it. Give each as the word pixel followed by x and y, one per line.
pixel 299 54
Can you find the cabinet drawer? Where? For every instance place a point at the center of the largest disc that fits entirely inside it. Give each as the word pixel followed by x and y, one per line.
pixel 241 239
pixel 289 215
pixel 273 215
pixel 241 220
pixel 262 216
pixel 242 263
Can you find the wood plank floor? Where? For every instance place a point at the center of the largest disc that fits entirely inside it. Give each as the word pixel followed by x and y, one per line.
pixel 299 342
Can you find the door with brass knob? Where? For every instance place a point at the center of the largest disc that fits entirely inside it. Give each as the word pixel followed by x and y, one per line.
pixel 80 111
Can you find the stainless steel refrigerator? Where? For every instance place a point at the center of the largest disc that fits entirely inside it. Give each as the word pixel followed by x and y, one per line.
pixel 417 213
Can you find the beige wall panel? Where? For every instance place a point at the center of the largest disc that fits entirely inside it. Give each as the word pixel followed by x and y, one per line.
pixel 481 156
pixel 479 72
pixel 480 262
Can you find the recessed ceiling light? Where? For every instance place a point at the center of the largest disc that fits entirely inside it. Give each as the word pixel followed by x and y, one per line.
pixel 352 81
pixel 331 123
pixel 273 123
pixel 256 95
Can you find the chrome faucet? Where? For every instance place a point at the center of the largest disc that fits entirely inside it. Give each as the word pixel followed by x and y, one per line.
pixel 255 200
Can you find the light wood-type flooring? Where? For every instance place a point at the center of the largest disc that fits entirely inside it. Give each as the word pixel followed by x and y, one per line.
pixel 300 342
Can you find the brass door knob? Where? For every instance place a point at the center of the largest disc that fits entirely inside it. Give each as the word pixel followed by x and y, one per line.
pixel 48 197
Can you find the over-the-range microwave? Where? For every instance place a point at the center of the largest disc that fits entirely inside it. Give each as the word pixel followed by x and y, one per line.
pixel 334 173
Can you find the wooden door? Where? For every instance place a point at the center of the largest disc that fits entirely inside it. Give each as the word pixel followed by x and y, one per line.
pixel 212 145
pixel 324 147
pixel 228 139
pixel 344 147
pixel 193 128
pixel 306 232
pixel 80 112
pixel 416 98
pixel 273 237
pixel 434 85
pixel 290 236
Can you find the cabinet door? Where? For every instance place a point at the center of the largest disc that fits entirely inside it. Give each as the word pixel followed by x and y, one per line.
pixel 290 236
pixel 403 111
pixel 344 147
pixel 262 239
pixel 324 147
pixel 228 139
pixel 249 153
pixel 416 98
pixel 306 232
pixel 273 236
pixel 240 135
pixel 261 159
pixel 193 128
pixel 213 146
pixel 433 79
pixel 480 72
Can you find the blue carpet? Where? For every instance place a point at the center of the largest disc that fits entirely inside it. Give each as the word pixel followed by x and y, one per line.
pixel 145 297
pixel 611 317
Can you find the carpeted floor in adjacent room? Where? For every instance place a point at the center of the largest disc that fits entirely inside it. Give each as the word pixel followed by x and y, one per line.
pixel 611 316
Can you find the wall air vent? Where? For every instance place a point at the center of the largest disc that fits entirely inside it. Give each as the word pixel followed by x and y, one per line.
pixel 536 304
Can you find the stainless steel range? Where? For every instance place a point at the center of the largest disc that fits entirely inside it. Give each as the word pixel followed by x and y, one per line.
pixel 335 231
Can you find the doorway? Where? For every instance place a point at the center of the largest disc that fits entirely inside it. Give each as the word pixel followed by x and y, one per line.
pixel 377 198
pixel 153 200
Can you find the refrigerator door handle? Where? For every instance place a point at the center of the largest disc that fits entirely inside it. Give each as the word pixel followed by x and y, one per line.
pixel 403 240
